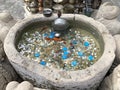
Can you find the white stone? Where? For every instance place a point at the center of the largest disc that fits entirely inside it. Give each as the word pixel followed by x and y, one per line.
pixel 117 40
pixel 12 85
pixel 108 11
pixel 107 14
pixel 57 1
pixel 112 82
pixel 27 13
pixel 25 85
pixel 7 73
pixel 3 32
pixel 6 22
pixel 5 17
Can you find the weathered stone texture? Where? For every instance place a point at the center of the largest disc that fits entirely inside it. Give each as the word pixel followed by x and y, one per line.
pixel 6 22
pixel 25 85
pixel 115 2
pixel 15 7
pixel 107 14
pixel 112 82
pixel 7 73
pixel 87 79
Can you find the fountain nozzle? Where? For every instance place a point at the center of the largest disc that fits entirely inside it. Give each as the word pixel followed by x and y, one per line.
pixel 60 25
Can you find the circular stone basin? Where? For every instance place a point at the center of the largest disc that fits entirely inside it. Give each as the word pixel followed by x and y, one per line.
pixel 74 60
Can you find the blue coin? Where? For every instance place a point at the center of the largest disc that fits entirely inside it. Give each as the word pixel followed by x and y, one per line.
pixel 74 63
pixel 51 36
pixel 64 57
pixel 43 63
pixel 37 54
pixel 64 49
pixel 90 58
pixel 66 53
pixel 86 44
pixel 80 54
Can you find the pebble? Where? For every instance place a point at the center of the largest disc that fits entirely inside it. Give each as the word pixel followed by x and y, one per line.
pixel 37 54
pixel 43 63
pixel 90 58
pixel 86 44
pixel 62 52
pixel 74 63
pixel 51 36
pixel 64 48
pixel 66 52
pixel 80 54
pixel 64 57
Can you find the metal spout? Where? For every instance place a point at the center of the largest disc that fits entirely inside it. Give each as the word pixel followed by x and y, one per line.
pixel 60 24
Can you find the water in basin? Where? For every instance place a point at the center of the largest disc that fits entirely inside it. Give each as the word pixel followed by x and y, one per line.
pixel 75 50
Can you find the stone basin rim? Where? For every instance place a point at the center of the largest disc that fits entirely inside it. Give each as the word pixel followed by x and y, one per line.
pixel 107 56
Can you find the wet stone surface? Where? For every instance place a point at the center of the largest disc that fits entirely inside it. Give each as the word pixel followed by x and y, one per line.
pixel 75 50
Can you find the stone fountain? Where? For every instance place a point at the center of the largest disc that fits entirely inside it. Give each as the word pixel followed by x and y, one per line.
pixel 57 76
